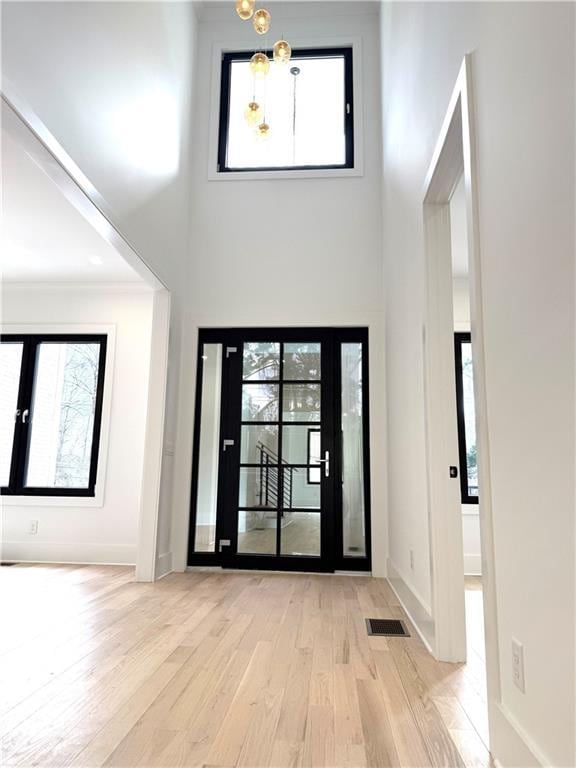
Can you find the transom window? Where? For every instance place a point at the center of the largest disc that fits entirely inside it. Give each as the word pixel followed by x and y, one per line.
pixel 307 105
pixel 51 390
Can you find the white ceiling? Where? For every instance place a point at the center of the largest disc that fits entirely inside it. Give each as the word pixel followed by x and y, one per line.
pixel 44 238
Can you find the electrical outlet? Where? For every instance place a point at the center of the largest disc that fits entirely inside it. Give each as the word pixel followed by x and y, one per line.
pixel 33 527
pixel 518 665
pixel 412 559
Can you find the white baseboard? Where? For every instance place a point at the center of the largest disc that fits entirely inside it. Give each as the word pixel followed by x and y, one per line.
pixel 163 565
pixel 472 565
pixel 418 612
pixel 74 553
pixel 511 745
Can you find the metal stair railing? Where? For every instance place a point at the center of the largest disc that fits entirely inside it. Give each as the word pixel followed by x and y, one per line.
pixel 272 477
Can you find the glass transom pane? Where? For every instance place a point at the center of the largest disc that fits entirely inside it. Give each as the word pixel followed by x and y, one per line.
pixel 313 135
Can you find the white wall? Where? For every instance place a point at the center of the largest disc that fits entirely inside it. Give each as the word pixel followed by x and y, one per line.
pixel 86 532
pixel 113 83
pixel 108 111
pixel 523 67
pixel 293 251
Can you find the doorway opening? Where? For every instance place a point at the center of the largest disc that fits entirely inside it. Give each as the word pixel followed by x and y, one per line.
pixel 465 418
pixel 458 475
pixel 281 471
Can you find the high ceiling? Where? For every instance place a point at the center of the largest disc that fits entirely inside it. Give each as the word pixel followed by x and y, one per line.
pixel 44 238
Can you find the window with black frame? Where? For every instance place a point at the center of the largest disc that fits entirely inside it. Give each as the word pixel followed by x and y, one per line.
pixel 466 418
pixel 304 118
pixel 51 393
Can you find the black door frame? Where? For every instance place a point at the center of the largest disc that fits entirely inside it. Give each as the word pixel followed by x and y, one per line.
pixel 332 557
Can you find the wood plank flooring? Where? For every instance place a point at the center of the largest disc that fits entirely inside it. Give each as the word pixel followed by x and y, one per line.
pixel 223 669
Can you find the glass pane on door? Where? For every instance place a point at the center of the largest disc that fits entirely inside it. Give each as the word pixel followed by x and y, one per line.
pixel 10 364
pixel 280 474
pixel 257 532
pixel 301 534
pixel 301 362
pixel 353 518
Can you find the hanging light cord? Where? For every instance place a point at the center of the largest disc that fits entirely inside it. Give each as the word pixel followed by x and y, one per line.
pixel 295 71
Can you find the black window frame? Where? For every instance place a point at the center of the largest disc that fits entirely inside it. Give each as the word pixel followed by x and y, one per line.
pixel 309 462
pixel 460 338
pixel 22 432
pixel 299 53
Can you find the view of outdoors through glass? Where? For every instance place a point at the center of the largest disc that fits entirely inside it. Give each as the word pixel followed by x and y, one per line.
pixel 314 135
pixel 469 418
pixel 62 418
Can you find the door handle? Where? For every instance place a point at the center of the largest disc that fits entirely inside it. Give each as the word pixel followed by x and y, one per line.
pixel 326 462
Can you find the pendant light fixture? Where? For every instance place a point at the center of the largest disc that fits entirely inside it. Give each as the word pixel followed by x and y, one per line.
pixel 261 21
pixel 263 130
pixel 260 64
pixel 253 113
pixel 282 52
pixel 245 9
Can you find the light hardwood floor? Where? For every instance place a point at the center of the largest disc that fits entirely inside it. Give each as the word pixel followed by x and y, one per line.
pixel 222 669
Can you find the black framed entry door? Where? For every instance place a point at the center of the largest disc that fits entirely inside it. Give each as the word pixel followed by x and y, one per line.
pixel 280 474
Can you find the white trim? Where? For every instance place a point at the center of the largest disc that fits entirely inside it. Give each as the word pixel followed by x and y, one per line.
pixel 219 48
pixel 415 607
pixel 154 440
pixel 456 152
pixel 76 328
pixel 85 553
pixel 163 565
pixel 518 749
pixel 47 287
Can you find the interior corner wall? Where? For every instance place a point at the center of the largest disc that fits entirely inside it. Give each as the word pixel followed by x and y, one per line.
pixel 523 89
pixel 113 83
pixel 86 533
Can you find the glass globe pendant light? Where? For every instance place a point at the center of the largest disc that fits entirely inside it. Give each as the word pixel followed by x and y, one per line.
pixel 263 130
pixel 260 64
pixel 245 8
pixel 282 52
pixel 261 21
pixel 253 113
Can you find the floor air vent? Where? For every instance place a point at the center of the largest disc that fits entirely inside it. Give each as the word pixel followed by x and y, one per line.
pixel 387 628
